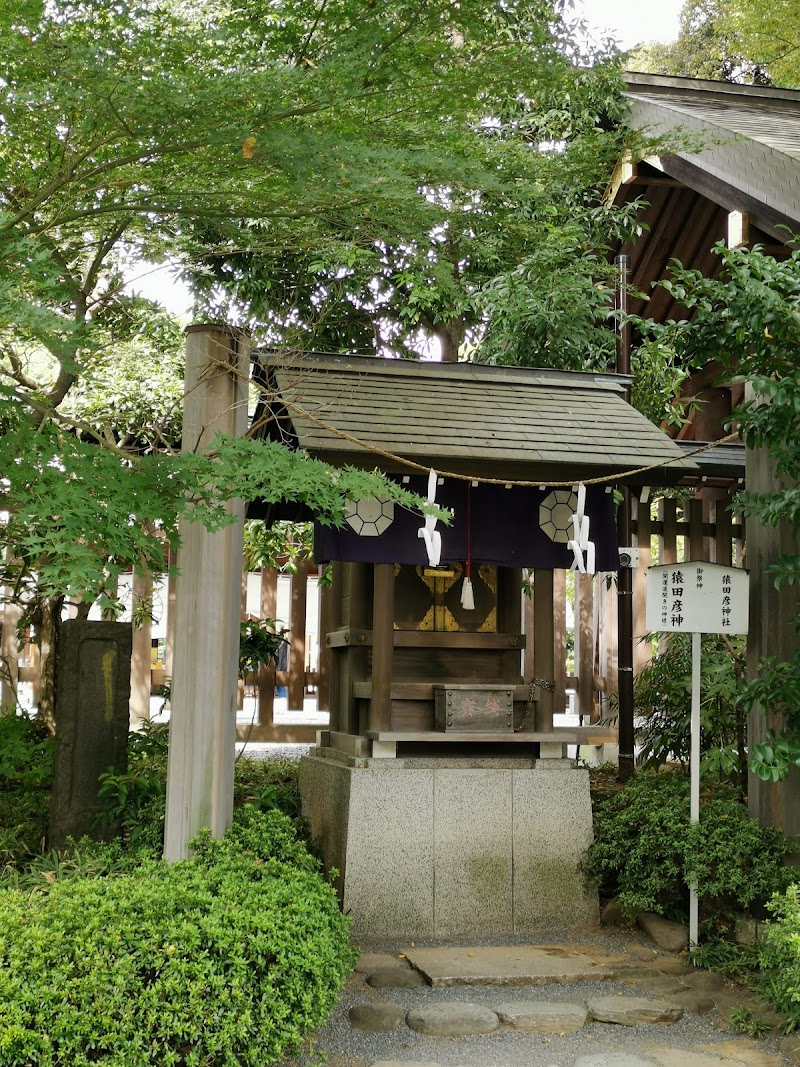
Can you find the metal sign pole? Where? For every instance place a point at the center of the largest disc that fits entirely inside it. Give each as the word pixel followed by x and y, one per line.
pixel 696 598
pixel 694 771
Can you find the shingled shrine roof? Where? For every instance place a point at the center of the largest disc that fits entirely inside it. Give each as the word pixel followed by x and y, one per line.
pixel 500 422
pixel 736 149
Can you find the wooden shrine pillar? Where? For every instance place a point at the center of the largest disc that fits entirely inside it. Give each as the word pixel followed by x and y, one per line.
pixel 240 682
pixel 141 646
pixel 382 647
pixel 738 235
pixel 297 640
pixel 723 531
pixel 169 644
pixel 584 645
pixel 543 647
pixel 208 600
pixel 560 641
pixel 772 633
pixel 324 661
pixel 642 654
pixel 266 675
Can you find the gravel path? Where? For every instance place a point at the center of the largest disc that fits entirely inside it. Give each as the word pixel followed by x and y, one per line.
pixel 693 1041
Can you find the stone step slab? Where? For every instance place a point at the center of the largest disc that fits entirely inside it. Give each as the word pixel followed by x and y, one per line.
pixel 376 1017
pixel 395 978
pixel 706 981
pixel 657 985
pixel 368 962
pixel 696 1003
pixel 453 1020
pixel 741 1052
pixel 613 1059
pixel 404 1063
pixel 509 965
pixel 674 966
pixel 632 1011
pixel 548 1017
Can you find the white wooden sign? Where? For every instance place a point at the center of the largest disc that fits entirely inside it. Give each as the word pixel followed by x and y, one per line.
pixel 696 598
pixel 706 598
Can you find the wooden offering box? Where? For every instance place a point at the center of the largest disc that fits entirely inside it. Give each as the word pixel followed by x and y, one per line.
pixel 478 708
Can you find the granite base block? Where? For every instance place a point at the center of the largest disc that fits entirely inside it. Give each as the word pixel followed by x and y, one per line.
pixel 440 851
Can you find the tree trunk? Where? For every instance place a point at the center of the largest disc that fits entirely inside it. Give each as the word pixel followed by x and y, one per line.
pixel 450 335
pixel 48 646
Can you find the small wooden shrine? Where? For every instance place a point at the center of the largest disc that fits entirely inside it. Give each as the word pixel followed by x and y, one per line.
pixel 446 811
pixel 413 670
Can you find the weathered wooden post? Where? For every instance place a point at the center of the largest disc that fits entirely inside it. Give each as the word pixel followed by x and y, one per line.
pixel 142 596
pixel 772 633
pixel 207 606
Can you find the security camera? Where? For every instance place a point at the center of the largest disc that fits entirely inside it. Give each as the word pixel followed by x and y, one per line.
pixel 629 557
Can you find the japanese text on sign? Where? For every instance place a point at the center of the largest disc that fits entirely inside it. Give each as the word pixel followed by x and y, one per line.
pixel 707 598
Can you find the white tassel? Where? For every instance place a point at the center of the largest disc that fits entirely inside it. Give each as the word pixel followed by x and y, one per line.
pixel 467 596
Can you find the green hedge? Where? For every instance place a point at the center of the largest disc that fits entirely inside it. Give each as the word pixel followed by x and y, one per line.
pixel 229 958
pixel 26 776
pixel 646 851
pixel 779 957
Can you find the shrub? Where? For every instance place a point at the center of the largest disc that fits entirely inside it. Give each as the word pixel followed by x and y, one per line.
pixel 26 776
pixel 229 958
pixel 269 784
pixel 662 694
pixel 135 800
pixel 779 957
pixel 646 851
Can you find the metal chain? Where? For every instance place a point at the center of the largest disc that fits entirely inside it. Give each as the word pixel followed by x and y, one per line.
pixel 542 683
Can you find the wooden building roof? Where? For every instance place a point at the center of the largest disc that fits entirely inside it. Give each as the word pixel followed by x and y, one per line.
pixel 502 422
pixel 742 155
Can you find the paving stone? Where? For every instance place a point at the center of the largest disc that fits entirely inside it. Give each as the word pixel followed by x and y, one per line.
pixel 613 1059
pixel 763 1012
pixel 395 978
pixel 642 952
pixel 739 1053
pixel 510 965
pixel 630 1011
pixel 676 967
pixel 708 981
pixel 694 1002
pixel 372 961
pixel 453 1020
pixel 671 936
pixel 630 972
pixel 404 1063
pixel 543 1017
pixel 728 999
pixel 376 1017
pixel 660 985
pixel 790 1047
pixel 338 1060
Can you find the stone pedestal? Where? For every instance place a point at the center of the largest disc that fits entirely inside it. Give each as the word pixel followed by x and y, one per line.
pixel 437 847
